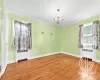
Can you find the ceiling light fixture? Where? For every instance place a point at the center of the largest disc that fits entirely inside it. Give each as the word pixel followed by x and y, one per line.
pixel 57 19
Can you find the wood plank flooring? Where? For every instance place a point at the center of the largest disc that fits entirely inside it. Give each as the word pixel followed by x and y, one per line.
pixel 54 67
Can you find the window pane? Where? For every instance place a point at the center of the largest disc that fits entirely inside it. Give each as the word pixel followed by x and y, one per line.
pixel 87 40
pixel 87 30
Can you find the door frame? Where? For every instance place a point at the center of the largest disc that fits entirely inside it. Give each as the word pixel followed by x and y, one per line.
pixel 4 42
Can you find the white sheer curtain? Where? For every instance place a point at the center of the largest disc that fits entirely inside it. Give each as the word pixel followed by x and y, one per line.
pixel 22 36
pixel 96 26
pixel 80 37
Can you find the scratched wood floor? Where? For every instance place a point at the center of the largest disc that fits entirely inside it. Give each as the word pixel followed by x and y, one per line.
pixel 55 67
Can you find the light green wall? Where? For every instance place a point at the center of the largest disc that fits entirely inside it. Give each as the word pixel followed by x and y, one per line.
pixel 70 36
pixel 41 43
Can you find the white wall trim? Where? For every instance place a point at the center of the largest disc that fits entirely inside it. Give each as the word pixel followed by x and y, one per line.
pixel 96 60
pixel 4 45
pixel 71 54
pixel 2 71
pixel 48 54
pixel 79 56
pixel 43 55
pixel 11 61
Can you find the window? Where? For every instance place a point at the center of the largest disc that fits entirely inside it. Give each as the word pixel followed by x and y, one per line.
pixel 87 36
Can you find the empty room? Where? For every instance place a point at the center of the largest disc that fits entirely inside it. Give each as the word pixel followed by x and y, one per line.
pixel 49 40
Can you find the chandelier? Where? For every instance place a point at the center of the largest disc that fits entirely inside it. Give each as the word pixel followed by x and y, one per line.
pixel 57 19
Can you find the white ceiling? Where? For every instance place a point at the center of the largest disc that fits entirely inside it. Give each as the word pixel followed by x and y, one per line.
pixel 71 10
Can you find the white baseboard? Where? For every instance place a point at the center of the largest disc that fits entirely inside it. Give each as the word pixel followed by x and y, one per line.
pixel 11 61
pixel 79 56
pixel 2 71
pixel 43 55
pixel 96 60
pixel 71 54
pixel 33 57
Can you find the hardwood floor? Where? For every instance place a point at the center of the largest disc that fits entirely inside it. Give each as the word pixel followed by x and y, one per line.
pixel 54 67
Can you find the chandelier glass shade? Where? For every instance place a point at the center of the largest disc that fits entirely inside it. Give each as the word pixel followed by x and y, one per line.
pixel 57 19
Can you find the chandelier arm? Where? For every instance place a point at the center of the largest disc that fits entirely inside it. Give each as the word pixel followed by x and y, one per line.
pixel 57 19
